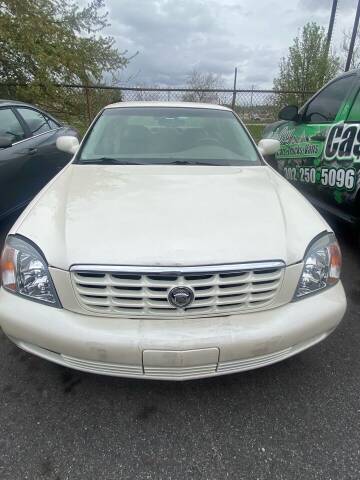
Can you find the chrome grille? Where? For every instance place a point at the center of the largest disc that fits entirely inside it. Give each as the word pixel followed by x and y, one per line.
pixel 217 290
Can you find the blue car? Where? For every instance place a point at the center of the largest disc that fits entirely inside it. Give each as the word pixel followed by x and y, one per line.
pixel 28 154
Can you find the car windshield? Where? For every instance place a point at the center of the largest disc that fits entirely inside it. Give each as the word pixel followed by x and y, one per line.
pixel 168 135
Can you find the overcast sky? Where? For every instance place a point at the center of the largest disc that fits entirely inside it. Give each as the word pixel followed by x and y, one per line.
pixel 175 36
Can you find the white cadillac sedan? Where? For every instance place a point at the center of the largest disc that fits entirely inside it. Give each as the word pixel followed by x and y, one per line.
pixel 169 249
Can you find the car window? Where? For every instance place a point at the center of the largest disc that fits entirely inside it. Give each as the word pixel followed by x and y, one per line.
pixel 326 104
pixel 10 125
pixel 52 123
pixel 168 135
pixel 354 115
pixel 36 121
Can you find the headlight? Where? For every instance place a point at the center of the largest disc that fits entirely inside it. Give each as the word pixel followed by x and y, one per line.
pixel 24 271
pixel 322 266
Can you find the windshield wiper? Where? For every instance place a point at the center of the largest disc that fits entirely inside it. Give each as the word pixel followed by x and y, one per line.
pixel 188 162
pixel 108 161
pixel 119 161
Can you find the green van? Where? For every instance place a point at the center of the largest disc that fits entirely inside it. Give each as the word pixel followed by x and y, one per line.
pixel 320 146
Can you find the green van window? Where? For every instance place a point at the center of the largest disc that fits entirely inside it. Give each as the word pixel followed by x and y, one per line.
pixel 326 105
pixel 354 115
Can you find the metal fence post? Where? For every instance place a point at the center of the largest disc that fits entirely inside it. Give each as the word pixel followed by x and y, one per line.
pixel 233 103
pixel 88 106
pixel 251 103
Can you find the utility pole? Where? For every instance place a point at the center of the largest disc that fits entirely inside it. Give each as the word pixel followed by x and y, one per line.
pixel 331 24
pixel 234 91
pixel 353 38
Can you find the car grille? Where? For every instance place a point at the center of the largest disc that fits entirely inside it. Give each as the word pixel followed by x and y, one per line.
pixel 217 290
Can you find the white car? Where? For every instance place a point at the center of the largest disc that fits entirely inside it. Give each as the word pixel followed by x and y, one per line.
pixel 169 249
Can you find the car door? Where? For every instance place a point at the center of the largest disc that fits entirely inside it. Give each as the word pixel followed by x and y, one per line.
pixel 342 152
pixel 301 157
pixel 45 160
pixel 12 160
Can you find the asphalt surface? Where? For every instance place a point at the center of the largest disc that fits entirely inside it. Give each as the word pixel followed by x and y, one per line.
pixel 299 419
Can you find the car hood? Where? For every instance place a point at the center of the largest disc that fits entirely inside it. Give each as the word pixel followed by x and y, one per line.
pixel 169 215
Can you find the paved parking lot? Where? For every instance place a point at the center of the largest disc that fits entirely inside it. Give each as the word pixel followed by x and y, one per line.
pixel 299 419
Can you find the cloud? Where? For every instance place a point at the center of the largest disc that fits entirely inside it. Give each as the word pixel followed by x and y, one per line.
pixel 314 5
pixel 175 36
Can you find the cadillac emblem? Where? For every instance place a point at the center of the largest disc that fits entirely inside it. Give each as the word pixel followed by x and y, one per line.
pixel 180 297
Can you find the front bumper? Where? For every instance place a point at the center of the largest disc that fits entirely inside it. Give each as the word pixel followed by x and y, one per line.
pixel 171 349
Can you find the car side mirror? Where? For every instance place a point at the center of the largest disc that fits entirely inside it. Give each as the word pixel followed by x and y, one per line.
pixel 289 113
pixel 269 146
pixel 67 144
pixel 6 141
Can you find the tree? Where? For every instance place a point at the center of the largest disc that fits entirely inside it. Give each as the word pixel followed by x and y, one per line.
pixel 308 66
pixel 47 42
pixel 198 82
pixel 355 60
pixel 144 95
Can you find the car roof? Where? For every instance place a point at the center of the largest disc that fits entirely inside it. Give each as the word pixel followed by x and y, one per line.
pixel 17 103
pixel 208 106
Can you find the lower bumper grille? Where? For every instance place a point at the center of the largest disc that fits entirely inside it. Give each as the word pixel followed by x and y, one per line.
pixel 256 362
pixel 169 372
pixel 103 367
pixel 218 290
pixel 177 372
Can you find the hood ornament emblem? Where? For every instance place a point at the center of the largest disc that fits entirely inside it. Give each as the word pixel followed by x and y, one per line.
pixel 180 297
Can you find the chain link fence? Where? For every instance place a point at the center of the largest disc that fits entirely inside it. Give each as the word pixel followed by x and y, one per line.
pixel 78 104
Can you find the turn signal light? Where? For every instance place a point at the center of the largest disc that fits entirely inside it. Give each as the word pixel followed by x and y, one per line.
pixel 8 268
